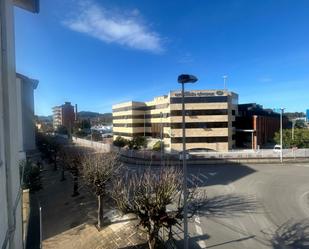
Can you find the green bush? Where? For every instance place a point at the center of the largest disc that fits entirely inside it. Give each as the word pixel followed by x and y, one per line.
pixel 30 175
pixel 157 146
pixel 137 142
pixel 120 142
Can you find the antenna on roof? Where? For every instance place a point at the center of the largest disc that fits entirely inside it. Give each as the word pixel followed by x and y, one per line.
pixel 224 81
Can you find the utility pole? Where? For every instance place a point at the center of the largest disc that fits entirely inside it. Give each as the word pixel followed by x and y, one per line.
pixel 281 144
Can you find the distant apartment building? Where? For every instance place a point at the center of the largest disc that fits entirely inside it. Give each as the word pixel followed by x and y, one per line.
pixel 209 121
pixel 256 126
pixel 63 115
pixel 25 104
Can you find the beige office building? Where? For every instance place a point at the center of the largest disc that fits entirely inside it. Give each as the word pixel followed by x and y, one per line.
pixel 209 121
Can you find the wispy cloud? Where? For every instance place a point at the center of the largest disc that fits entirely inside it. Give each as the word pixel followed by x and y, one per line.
pixel 124 28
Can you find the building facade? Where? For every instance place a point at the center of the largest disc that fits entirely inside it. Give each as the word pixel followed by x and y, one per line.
pixel 11 231
pixel 63 115
pixel 209 121
pixel 25 94
pixel 255 126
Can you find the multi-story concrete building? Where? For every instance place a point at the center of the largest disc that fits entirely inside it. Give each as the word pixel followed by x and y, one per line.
pixel 209 123
pixel 63 115
pixel 11 232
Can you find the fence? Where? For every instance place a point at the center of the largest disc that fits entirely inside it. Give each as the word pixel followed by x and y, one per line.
pixel 265 153
pixel 95 145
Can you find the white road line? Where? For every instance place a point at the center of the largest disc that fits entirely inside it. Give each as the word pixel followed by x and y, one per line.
pixel 205 176
pixel 197 220
pixel 212 173
pixel 197 178
pixel 198 229
pixel 190 181
pixel 202 243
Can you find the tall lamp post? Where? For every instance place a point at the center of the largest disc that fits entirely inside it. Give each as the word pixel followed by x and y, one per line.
pixel 183 79
pixel 281 135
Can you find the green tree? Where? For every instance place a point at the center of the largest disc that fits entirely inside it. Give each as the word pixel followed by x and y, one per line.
pixel 301 138
pixel 300 124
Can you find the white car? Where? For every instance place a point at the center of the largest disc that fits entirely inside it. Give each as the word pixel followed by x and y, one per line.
pixel 277 148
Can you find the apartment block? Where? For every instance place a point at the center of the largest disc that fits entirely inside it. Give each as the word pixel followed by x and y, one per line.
pixel 209 119
pixel 63 115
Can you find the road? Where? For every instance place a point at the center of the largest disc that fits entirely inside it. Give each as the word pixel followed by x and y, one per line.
pixel 256 206
pixel 250 207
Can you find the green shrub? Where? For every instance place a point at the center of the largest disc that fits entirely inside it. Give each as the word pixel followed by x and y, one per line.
pixel 157 146
pixel 30 175
pixel 137 142
pixel 120 142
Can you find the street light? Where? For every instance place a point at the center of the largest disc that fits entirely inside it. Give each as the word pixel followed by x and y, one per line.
pixel 183 79
pixel 281 151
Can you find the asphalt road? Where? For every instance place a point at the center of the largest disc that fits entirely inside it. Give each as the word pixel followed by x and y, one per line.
pixel 256 206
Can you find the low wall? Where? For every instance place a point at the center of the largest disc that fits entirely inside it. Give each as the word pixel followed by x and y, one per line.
pixel 92 144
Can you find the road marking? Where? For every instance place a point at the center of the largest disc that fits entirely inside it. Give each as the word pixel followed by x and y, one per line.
pixel 205 176
pixel 201 243
pixel 198 229
pixel 190 181
pixel 212 173
pixel 197 220
pixel 197 178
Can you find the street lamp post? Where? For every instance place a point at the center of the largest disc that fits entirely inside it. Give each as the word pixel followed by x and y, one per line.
pixel 281 135
pixel 183 79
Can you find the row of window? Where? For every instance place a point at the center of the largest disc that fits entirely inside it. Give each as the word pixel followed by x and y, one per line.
pixel 201 125
pixel 200 140
pixel 142 116
pixel 177 113
pixel 141 134
pixel 141 108
pixel 199 112
pixel 176 100
pixel 214 99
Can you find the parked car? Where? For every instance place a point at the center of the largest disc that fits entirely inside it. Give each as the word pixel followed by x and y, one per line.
pixel 277 148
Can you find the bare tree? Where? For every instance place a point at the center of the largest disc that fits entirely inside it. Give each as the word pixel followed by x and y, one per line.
pixel 72 161
pixel 149 195
pixel 98 170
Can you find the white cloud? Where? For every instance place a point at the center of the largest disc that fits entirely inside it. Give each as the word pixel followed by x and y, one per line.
pixel 110 27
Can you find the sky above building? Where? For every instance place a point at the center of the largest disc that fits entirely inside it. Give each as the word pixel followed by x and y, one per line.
pixel 98 53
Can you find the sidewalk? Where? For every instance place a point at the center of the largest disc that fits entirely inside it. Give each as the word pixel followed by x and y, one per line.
pixel 69 222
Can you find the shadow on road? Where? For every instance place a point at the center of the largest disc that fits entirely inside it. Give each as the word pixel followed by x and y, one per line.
pixel 209 175
pixel 230 205
pixel 292 235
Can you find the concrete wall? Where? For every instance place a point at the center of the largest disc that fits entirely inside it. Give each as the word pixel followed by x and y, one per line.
pixel 10 134
pixel 10 209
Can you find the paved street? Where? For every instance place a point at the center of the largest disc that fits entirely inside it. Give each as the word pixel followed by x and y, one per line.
pixel 258 206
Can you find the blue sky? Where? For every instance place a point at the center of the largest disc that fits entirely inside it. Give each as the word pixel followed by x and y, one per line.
pixel 100 52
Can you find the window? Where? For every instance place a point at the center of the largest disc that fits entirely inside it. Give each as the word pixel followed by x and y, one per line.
pixel 215 99
pixel 199 112
pixel 200 139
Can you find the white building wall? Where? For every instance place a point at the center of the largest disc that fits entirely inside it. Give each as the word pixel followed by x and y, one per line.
pixel 10 201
